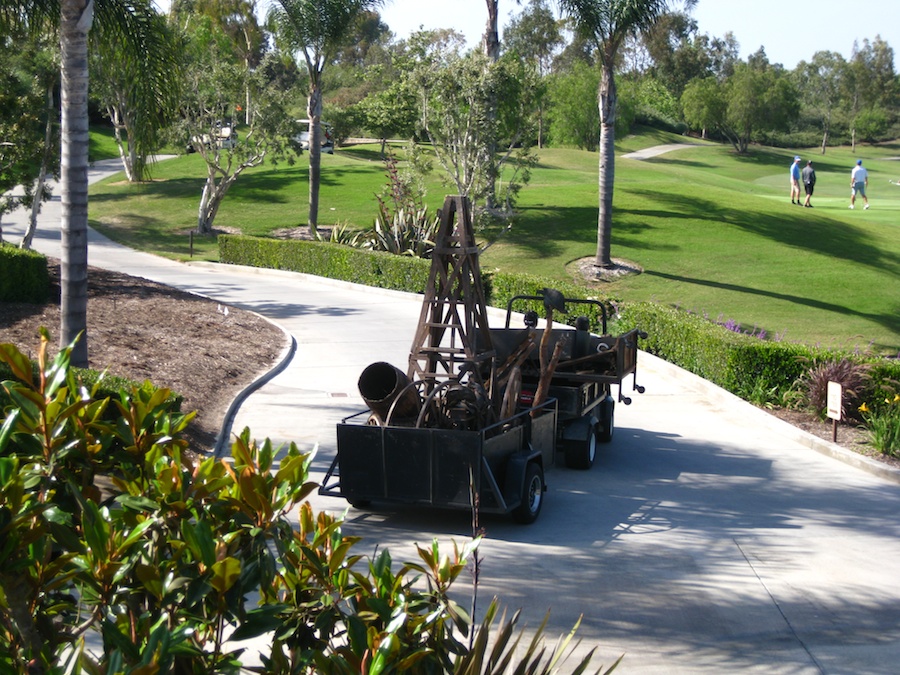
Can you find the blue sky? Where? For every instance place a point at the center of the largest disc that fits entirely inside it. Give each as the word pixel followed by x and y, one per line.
pixel 789 31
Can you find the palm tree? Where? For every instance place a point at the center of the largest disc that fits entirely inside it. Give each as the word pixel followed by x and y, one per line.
pixel 126 22
pixel 316 28
pixel 607 23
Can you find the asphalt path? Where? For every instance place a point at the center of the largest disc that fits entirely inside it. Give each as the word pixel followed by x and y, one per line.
pixel 709 537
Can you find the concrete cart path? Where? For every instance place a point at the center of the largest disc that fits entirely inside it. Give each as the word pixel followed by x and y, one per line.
pixel 657 150
pixel 708 538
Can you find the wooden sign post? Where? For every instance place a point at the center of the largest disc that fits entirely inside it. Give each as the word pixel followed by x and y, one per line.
pixel 835 397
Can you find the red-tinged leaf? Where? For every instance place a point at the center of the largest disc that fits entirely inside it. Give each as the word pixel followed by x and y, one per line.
pixel 20 364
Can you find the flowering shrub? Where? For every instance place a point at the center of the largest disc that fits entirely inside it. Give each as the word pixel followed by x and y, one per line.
pixel 883 424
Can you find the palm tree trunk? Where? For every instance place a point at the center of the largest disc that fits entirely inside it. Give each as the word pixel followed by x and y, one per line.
pixel 607 170
pixel 77 16
pixel 314 110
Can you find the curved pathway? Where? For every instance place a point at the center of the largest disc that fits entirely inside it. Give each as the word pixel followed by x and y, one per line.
pixel 657 150
pixel 708 538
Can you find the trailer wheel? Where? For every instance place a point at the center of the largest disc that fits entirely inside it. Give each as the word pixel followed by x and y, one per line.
pixel 532 495
pixel 607 421
pixel 581 454
pixel 360 504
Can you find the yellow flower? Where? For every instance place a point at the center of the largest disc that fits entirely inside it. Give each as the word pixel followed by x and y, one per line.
pixel 896 398
pixel 864 408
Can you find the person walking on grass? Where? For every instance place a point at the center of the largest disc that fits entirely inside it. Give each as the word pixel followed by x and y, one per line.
pixel 795 182
pixel 808 175
pixel 859 181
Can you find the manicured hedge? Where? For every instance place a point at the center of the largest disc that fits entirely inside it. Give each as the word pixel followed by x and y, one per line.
pixel 324 259
pixel 23 275
pixel 754 369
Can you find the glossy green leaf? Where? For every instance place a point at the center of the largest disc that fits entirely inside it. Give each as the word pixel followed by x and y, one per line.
pixel 260 621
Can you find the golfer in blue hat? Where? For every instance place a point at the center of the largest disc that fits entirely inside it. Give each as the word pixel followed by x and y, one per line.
pixel 795 182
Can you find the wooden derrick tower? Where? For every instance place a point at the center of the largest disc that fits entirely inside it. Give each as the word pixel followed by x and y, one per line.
pixel 453 341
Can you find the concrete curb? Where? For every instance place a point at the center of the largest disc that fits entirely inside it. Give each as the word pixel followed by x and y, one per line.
pixel 786 429
pixel 228 421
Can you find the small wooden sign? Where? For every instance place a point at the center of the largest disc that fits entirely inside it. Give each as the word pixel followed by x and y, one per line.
pixel 835 396
pixel 834 401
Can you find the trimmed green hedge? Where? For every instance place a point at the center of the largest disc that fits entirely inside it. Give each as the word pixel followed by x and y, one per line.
pixel 756 370
pixel 324 259
pixel 23 275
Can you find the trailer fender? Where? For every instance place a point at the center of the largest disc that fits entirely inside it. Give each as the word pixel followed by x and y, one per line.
pixel 515 474
pixel 578 430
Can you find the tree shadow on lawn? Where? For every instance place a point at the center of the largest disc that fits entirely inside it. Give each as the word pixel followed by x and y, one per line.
pixel 829 237
pixel 781 161
pixel 155 236
pixel 890 320
pixel 547 227
pixel 367 154
pixel 670 161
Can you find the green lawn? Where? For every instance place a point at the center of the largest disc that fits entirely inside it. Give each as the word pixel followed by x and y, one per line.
pixel 715 233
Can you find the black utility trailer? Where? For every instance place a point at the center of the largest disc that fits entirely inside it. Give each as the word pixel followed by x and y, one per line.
pixel 588 365
pixel 458 429
pixel 503 464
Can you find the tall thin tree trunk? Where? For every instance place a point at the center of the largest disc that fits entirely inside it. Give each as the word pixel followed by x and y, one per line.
pixel 491 46
pixel 607 169
pixel 76 20
pixel 28 237
pixel 314 110
pixel 491 39
pixel 125 154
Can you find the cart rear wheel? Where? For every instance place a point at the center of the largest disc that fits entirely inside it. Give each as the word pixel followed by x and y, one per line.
pixel 532 495
pixel 581 454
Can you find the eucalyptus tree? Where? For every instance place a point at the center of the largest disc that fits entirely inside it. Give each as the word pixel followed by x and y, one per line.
pixel 704 106
pixel 757 98
pixel 29 74
pixel 535 36
pixel 128 23
pixel 316 29
pixel 870 88
pixel 140 96
pixel 607 23
pixel 468 106
pixel 214 84
pixel 679 54
pixel 819 83
pixel 238 20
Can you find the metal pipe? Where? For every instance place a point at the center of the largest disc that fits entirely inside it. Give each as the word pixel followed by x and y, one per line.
pixel 381 384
